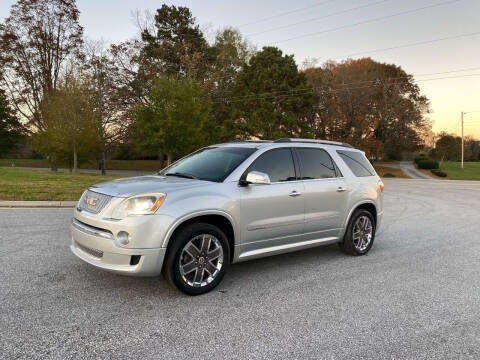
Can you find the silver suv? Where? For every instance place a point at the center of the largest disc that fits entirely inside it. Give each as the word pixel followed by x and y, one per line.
pixel 228 203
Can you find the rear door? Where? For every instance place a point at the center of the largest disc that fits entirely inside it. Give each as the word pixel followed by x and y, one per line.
pixel 326 193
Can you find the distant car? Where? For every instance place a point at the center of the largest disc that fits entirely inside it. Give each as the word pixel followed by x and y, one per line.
pixel 228 203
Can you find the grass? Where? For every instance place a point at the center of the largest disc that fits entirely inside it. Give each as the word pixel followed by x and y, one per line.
pixel 383 170
pixel 20 184
pixel 140 165
pixel 471 170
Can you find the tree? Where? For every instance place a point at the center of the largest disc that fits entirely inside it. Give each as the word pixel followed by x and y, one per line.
pixel 10 127
pixel 449 147
pixel 71 126
pixel 375 106
pixel 271 98
pixel 98 75
pixel 231 55
pixel 178 48
pixel 176 119
pixel 35 41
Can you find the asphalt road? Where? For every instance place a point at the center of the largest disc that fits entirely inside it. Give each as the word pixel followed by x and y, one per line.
pixel 416 295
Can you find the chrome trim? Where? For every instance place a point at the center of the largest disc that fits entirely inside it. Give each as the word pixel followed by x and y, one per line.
pixel 90 230
pixel 273 249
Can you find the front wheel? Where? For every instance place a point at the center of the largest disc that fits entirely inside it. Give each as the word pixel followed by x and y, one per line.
pixel 197 260
pixel 360 233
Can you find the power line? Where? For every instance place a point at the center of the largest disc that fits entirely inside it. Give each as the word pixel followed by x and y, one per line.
pixel 411 44
pixel 280 92
pixel 400 47
pixel 285 13
pixel 370 20
pixel 307 91
pixel 319 18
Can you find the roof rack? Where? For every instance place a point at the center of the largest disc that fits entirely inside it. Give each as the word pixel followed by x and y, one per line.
pixel 313 141
pixel 252 141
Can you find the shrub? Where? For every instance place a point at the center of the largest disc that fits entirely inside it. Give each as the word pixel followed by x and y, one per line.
pixel 428 164
pixel 438 172
pixel 419 158
pixel 388 175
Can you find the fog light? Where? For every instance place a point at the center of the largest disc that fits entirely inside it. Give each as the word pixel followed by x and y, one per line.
pixel 123 237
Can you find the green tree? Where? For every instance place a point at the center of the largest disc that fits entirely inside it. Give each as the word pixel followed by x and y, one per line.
pixel 178 48
pixel 10 127
pixel 271 98
pixel 176 119
pixel 231 55
pixel 449 147
pixel 72 127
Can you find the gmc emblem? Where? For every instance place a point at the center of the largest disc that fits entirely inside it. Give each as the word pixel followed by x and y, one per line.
pixel 91 201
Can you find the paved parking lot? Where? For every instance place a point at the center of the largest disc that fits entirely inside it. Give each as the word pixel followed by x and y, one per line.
pixel 416 295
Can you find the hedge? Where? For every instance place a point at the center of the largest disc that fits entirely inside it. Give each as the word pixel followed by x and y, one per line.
pixel 438 172
pixel 428 164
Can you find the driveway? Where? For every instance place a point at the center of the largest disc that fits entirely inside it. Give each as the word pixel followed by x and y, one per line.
pixel 416 295
pixel 408 168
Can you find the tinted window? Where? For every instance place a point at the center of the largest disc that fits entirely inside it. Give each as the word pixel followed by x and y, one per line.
pixel 212 164
pixel 277 164
pixel 357 162
pixel 315 164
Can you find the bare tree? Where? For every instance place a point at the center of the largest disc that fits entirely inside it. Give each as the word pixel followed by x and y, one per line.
pixel 35 41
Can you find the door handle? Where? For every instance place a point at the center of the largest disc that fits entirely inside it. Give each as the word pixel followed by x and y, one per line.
pixel 341 189
pixel 294 193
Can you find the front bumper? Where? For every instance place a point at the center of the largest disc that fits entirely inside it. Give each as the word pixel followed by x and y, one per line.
pixel 98 248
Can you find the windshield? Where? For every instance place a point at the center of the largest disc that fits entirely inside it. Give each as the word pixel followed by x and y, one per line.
pixel 211 164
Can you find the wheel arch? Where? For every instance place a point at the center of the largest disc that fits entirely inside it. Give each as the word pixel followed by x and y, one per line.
pixel 366 205
pixel 220 219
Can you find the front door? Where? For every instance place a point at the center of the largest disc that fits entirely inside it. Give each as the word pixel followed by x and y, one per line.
pixel 273 214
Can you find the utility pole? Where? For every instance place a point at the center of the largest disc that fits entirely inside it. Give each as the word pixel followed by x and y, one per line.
pixel 462 138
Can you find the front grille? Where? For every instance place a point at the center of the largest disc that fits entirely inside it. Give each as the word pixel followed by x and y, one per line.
pixel 93 252
pixel 94 202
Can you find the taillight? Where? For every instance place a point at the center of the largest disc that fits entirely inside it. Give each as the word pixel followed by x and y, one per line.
pixel 380 185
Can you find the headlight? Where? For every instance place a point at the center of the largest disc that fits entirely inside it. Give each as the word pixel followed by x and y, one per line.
pixel 138 205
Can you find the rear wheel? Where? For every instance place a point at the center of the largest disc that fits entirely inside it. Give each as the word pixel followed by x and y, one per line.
pixel 197 259
pixel 360 233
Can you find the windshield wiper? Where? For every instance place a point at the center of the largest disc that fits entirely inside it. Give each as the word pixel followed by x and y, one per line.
pixel 183 175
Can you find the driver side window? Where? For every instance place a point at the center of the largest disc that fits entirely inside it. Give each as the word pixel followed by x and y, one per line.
pixel 277 164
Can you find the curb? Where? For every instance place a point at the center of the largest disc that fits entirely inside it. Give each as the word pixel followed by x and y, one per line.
pixel 37 204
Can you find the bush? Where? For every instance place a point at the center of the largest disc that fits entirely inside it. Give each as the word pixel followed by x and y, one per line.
pixel 438 172
pixel 419 158
pixel 428 164
pixel 388 175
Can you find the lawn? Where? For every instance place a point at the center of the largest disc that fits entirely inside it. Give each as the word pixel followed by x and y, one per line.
pixel 140 165
pixel 471 170
pixel 20 184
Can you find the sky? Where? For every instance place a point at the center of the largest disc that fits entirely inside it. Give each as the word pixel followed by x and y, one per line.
pixel 332 29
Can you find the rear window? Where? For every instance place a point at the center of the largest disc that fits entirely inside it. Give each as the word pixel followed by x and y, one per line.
pixel 357 162
pixel 315 164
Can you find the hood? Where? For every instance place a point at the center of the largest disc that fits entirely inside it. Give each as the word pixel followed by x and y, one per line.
pixel 145 184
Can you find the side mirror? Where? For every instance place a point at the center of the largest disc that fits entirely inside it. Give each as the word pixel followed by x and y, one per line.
pixel 257 177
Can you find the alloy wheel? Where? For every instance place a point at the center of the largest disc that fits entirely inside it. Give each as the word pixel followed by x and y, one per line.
pixel 362 233
pixel 201 260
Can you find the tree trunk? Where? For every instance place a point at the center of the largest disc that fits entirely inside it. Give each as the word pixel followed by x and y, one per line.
pixel 169 160
pixel 75 160
pixel 103 163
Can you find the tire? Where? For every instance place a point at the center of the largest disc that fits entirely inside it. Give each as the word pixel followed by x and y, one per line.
pixel 354 242
pixel 187 264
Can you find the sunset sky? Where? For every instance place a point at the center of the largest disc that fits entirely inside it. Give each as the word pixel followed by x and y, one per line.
pixel 328 29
